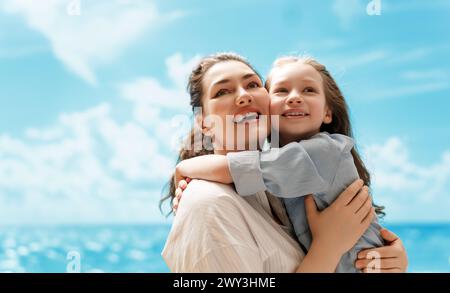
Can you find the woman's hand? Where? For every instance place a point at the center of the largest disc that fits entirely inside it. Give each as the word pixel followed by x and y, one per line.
pixel 393 255
pixel 338 227
pixel 181 186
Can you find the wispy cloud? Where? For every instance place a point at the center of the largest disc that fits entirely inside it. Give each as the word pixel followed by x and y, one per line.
pixel 410 191
pixel 91 166
pixel 347 11
pixel 11 53
pixel 430 74
pixel 408 90
pixel 101 32
pixel 414 5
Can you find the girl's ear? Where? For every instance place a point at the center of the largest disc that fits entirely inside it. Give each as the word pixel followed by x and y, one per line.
pixel 328 116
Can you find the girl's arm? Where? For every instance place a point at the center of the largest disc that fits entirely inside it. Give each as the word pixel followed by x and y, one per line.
pixel 207 167
pixel 313 163
pixel 298 168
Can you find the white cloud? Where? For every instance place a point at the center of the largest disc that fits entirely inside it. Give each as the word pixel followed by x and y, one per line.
pixel 364 59
pixel 414 5
pixel 148 91
pixel 409 90
pixel 101 32
pixel 347 11
pixel 433 74
pixel 89 167
pixel 179 71
pixel 410 192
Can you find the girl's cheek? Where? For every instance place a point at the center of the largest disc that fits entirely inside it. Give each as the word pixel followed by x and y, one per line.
pixel 275 108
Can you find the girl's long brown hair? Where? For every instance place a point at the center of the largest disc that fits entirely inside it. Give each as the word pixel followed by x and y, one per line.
pixel 195 89
pixel 340 113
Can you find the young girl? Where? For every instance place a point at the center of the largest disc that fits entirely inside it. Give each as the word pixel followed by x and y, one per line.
pixel 317 155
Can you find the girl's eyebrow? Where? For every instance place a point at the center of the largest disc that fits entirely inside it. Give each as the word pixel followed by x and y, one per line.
pixel 278 82
pixel 310 80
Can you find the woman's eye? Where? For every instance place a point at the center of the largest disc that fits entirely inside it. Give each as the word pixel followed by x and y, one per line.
pixel 253 84
pixel 309 90
pixel 221 92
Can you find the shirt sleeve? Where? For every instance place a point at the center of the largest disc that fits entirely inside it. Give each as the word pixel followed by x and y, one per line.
pixel 297 169
pixel 245 171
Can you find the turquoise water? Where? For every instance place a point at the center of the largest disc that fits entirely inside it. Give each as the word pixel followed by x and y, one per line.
pixel 138 248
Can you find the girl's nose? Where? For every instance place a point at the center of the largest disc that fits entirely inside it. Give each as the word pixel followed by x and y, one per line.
pixel 294 98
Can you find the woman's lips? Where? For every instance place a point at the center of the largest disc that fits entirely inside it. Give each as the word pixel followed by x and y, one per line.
pixel 246 117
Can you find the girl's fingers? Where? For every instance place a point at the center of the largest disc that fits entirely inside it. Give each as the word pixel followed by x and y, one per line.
pixel 188 179
pixel 178 191
pixel 348 194
pixel 175 205
pixel 182 184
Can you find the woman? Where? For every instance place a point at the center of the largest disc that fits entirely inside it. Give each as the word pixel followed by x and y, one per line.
pixel 216 230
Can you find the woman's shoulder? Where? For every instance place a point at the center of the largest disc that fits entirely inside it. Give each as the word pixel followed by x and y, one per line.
pixel 202 192
pixel 209 188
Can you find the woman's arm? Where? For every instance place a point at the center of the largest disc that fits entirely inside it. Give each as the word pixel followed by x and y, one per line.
pixel 393 255
pixel 323 259
pixel 337 228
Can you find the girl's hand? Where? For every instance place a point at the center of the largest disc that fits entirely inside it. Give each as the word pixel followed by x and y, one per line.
pixel 182 184
pixel 393 255
pixel 338 227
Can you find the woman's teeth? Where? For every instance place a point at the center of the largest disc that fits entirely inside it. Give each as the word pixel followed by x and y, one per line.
pixel 246 117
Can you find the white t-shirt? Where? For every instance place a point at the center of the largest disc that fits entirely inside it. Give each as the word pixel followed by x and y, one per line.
pixel 216 230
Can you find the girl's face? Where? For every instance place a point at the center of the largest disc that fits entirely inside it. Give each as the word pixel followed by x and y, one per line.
pixel 297 95
pixel 234 97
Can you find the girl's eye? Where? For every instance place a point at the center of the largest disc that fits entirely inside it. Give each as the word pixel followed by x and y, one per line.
pixel 221 92
pixel 309 90
pixel 253 84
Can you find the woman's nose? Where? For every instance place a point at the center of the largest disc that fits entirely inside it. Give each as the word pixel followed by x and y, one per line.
pixel 244 98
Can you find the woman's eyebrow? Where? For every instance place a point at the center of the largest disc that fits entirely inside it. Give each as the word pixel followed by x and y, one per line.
pixel 248 75
pixel 222 81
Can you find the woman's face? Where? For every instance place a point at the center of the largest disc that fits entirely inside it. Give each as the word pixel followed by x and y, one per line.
pixel 297 95
pixel 233 101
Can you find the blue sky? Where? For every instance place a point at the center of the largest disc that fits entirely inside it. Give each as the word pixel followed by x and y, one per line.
pixel 88 101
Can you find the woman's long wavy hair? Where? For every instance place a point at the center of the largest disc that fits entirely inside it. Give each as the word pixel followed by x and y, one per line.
pixel 338 106
pixel 195 89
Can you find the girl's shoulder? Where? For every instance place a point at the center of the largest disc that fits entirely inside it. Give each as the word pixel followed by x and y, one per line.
pixel 340 142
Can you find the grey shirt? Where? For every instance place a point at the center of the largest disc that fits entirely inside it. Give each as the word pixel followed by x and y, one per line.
pixel 322 165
